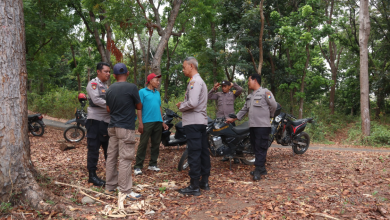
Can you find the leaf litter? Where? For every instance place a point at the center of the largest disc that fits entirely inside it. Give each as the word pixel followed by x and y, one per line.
pixel 315 185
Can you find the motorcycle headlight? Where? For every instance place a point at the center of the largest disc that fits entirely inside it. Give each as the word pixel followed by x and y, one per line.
pixel 277 119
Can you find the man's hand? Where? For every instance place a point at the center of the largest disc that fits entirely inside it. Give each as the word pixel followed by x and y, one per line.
pixel 178 104
pixel 216 86
pixel 231 84
pixel 230 120
pixel 165 126
pixel 141 128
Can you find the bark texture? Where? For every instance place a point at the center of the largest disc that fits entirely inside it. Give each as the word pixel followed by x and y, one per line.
pixel 364 32
pixel 16 168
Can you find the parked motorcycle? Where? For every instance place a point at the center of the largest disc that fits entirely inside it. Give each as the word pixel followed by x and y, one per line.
pixel 76 133
pixel 226 140
pixel 179 138
pixel 287 130
pixel 35 124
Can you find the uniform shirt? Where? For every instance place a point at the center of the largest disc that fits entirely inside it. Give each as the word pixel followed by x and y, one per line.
pixel 122 97
pixel 225 100
pixel 151 105
pixel 261 105
pixel 96 90
pixel 195 102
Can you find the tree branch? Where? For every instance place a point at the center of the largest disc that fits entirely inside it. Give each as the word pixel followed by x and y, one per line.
pixel 44 44
pixel 80 13
pixel 253 60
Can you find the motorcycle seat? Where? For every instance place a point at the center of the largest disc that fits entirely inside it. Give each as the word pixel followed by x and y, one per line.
pixel 32 116
pixel 242 128
pixel 298 122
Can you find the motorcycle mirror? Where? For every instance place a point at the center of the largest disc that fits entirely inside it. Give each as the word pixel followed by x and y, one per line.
pixel 166 100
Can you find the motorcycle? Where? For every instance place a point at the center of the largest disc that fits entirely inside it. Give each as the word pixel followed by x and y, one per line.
pixel 287 130
pixel 76 133
pixel 226 140
pixel 35 124
pixel 172 140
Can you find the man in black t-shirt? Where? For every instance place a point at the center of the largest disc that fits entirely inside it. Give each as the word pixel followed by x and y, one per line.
pixel 122 98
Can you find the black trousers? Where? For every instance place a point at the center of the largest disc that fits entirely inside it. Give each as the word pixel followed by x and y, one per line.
pixel 97 135
pixel 198 151
pixel 259 141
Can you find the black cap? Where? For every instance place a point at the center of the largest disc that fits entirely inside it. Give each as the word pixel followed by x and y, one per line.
pixel 226 83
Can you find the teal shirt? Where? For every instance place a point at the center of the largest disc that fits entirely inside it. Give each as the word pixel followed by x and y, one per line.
pixel 151 105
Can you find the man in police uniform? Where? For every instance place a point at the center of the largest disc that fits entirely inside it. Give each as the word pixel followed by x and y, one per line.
pixel 97 121
pixel 261 106
pixel 194 121
pixel 225 102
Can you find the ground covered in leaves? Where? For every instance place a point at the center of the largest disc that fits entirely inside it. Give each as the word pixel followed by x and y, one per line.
pixel 316 185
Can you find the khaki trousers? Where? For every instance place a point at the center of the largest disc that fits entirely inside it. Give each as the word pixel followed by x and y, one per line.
pixel 121 145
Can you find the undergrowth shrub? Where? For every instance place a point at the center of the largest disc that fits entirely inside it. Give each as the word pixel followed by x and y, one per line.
pixel 60 104
pixel 380 135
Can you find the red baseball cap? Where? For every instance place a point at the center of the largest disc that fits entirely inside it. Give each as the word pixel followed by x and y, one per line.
pixel 151 76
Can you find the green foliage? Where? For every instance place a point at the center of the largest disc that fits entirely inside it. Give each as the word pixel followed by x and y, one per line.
pixel 5 207
pixel 61 103
pixel 162 189
pixel 380 135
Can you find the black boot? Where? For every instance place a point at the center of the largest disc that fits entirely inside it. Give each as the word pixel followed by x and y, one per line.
pixel 192 189
pixel 257 173
pixel 93 178
pixel 204 183
pixel 263 171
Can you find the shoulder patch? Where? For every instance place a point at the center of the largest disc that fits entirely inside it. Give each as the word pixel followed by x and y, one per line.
pixel 234 91
pixel 192 84
pixel 93 85
pixel 268 94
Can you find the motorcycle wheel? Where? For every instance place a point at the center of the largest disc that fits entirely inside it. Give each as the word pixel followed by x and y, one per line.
pixel 299 149
pixel 183 163
pixel 249 159
pixel 74 134
pixel 37 129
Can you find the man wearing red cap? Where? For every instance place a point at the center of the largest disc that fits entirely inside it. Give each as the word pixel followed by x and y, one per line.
pixel 150 124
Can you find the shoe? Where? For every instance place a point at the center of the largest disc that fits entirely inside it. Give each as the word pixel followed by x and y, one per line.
pixel 192 189
pixel 204 186
pixel 137 171
pixel 225 159
pixel 110 192
pixel 133 196
pixel 263 171
pixel 257 173
pixel 154 168
pixel 93 178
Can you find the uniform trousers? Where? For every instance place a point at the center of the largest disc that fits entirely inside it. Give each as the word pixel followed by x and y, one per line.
pixel 198 151
pixel 97 136
pixel 153 131
pixel 122 147
pixel 259 140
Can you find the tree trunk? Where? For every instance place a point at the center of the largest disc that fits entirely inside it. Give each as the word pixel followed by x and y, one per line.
pixel 135 61
pixel 214 59
pixel 16 173
pixel 165 37
pixel 261 38
pixel 75 65
pixel 291 91
pixel 303 81
pixel 364 32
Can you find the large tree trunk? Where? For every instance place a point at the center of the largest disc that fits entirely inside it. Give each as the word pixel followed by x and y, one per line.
pixel 364 32
pixel 75 65
pixel 165 37
pixel 214 59
pixel 261 38
pixel 303 81
pixel 135 61
pixel 16 173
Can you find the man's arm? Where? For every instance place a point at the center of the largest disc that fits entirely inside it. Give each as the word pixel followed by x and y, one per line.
pixel 94 95
pixel 243 111
pixel 238 88
pixel 193 95
pixel 213 92
pixel 139 115
pixel 108 109
pixel 271 102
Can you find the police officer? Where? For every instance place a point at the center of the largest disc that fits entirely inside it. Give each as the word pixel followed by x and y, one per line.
pixel 97 121
pixel 194 121
pixel 225 102
pixel 260 105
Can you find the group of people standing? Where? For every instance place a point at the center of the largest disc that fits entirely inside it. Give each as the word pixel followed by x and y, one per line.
pixel 113 111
